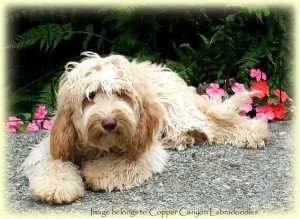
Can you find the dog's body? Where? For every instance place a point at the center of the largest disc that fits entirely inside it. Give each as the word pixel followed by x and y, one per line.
pixel 114 118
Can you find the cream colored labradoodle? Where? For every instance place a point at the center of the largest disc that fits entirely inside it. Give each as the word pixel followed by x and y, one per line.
pixel 114 118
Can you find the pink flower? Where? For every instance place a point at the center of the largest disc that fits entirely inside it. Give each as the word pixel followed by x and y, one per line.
pixel 32 126
pixel 247 107
pixel 265 112
pixel 11 124
pixel 282 94
pixel 237 87
pixel 40 112
pixel 48 124
pixel 258 74
pixel 215 89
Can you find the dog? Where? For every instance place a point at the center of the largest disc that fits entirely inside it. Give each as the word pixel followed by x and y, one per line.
pixel 114 120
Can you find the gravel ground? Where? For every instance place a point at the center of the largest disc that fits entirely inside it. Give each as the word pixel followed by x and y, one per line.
pixel 202 180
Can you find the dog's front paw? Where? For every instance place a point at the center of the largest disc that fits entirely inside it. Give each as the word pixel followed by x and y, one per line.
pixel 113 172
pixel 63 192
pixel 60 183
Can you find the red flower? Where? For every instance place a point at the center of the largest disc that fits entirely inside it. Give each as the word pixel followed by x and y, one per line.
pixel 279 110
pixel 262 86
pixel 283 95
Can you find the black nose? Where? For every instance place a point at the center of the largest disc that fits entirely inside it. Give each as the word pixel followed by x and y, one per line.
pixel 109 124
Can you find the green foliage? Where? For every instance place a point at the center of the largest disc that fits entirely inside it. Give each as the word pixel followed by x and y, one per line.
pixel 178 67
pixel 21 101
pixel 260 12
pixel 89 34
pixel 45 96
pixel 47 35
pixel 199 44
pixel 19 95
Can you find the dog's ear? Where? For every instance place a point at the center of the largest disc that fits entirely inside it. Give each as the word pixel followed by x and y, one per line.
pixel 63 135
pixel 150 114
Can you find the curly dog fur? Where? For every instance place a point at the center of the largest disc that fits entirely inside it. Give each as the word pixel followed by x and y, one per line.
pixel 114 120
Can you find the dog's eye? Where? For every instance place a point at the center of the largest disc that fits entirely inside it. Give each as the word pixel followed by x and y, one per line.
pixel 119 94
pixel 122 93
pixel 92 95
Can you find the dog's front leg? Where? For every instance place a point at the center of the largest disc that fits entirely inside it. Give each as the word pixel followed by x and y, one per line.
pixel 121 173
pixel 50 180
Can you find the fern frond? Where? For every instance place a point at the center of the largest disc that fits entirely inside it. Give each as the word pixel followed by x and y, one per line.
pixel 125 10
pixel 48 35
pixel 260 12
pixel 68 29
pixel 56 35
pixel 90 31
pixel 188 48
pixel 125 39
pixel 179 68
pixel 45 95
pixel 19 95
pixel 205 40
pixel 281 21
pixel 123 15
pixel 182 56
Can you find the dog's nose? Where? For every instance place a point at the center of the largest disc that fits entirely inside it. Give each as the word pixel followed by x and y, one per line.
pixel 109 124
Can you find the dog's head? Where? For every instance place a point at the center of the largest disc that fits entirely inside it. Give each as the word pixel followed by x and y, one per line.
pixel 103 103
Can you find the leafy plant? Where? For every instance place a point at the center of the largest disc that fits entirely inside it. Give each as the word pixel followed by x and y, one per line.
pixel 197 43
pixel 47 35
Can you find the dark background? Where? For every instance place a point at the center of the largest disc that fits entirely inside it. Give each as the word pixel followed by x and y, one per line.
pixel 200 43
